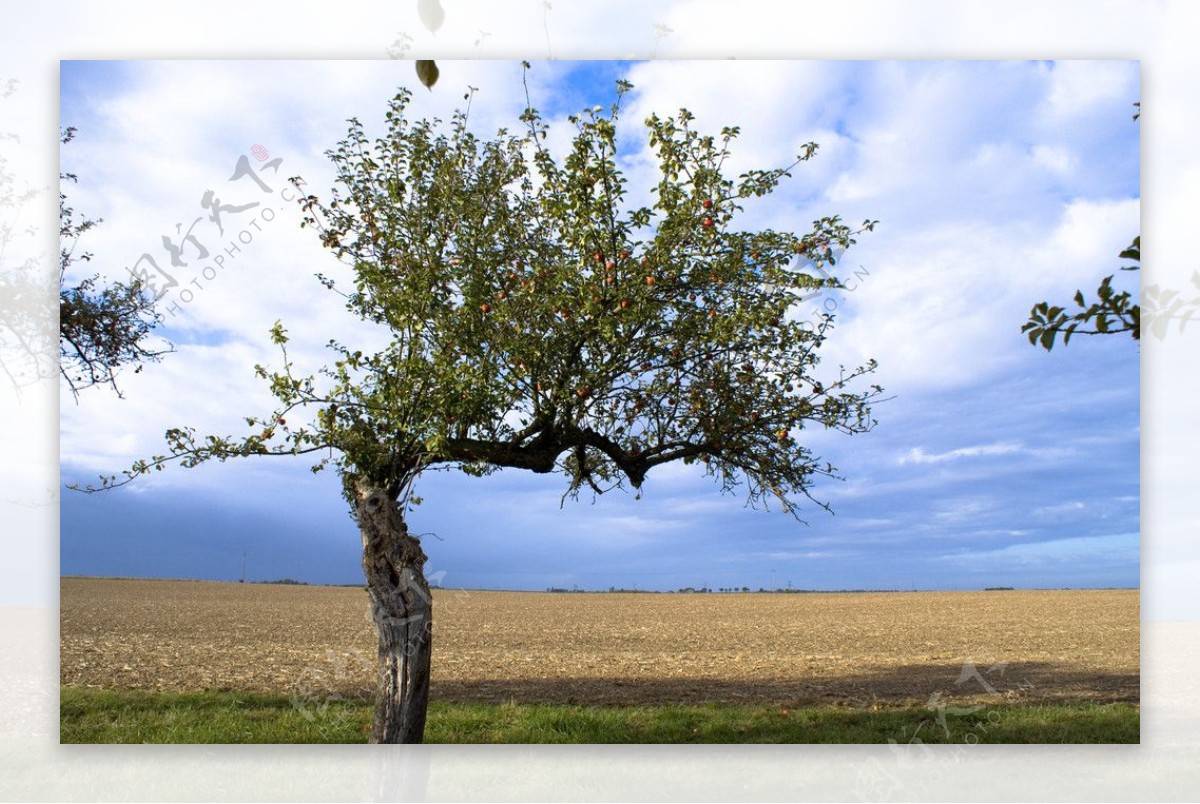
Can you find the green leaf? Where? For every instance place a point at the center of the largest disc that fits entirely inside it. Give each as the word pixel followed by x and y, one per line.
pixel 1048 339
pixel 427 72
pixel 1134 252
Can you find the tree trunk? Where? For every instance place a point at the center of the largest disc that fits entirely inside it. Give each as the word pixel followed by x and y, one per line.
pixel 402 608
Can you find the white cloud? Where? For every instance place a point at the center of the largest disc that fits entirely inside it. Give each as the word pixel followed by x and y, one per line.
pixel 805 555
pixel 1077 87
pixel 974 228
pixel 947 294
pixel 777 104
pixel 1087 237
pixel 209 387
pixel 918 455
pixel 1060 511
pixel 1116 550
pixel 1055 159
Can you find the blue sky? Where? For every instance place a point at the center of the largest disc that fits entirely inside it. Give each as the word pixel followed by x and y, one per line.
pixel 997 184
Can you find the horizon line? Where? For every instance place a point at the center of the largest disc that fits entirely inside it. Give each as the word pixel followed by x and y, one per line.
pixel 554 590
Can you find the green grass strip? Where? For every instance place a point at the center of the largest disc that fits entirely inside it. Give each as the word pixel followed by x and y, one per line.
pixel 109 716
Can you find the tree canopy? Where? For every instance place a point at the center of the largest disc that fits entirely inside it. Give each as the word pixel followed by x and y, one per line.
pixel 103 326
pixel 540 319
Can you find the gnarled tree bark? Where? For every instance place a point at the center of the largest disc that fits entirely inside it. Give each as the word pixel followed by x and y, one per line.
pixel 402 608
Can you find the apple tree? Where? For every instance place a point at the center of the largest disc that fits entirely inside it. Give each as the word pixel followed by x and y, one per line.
pixel 539 318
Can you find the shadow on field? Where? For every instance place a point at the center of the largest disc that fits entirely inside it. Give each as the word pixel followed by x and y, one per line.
pixel 957 684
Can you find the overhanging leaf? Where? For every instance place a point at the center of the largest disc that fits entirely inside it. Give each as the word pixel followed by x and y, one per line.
pixel 427 72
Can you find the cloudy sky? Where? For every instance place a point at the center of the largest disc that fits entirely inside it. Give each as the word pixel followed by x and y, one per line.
pixel 996 184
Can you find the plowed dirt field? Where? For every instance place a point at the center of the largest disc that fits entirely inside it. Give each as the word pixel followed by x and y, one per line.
pixel 863 649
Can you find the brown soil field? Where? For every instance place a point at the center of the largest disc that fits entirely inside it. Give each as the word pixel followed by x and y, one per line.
pixel 858 649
